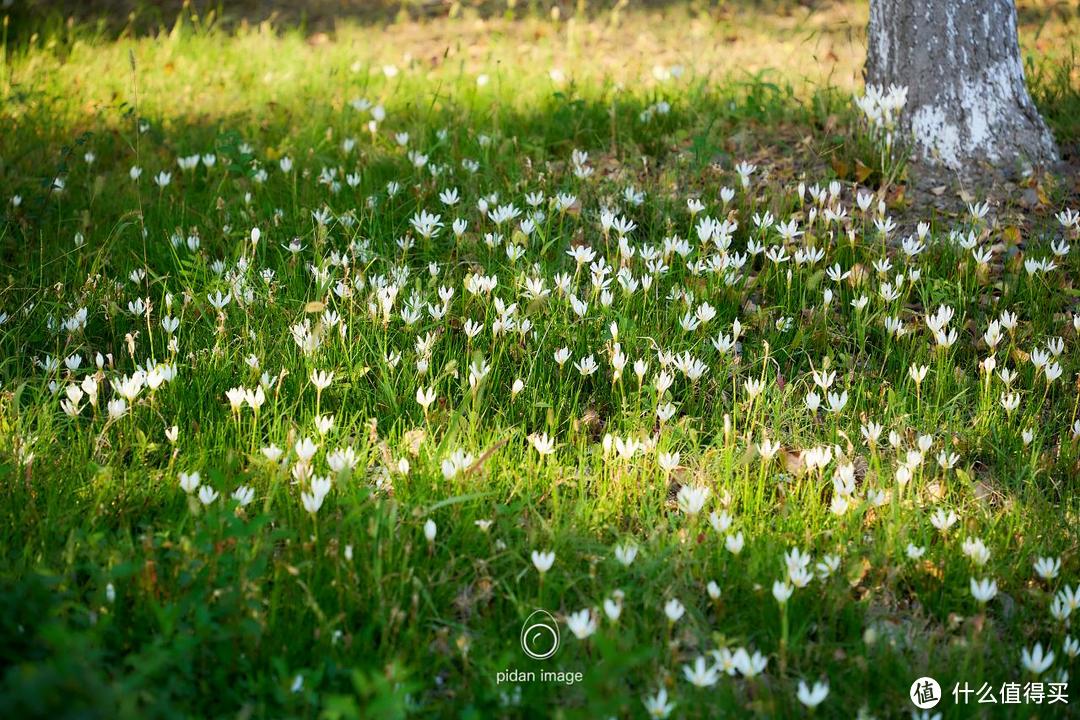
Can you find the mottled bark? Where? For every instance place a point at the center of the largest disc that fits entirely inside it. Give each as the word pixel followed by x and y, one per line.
pixel 960 60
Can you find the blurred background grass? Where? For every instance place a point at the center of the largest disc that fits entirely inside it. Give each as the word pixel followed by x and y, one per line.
pixel 753 76
pixel 816 40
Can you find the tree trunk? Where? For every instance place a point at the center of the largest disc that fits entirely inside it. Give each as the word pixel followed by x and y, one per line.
pixel 960 60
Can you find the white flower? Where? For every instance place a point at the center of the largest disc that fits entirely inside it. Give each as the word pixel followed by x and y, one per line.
pixel 117 408
pixel 425 397
pixel 458 461
pixel 322 380
pixel 657 706
pixel 324 423
pixel 219 300
pixel 243 495
pixel 305 449
pixel 543 560
pixel 721 522
pixel 430 529
pixel 586 366
pixel 674 610
pixel 811 698
pixel 699 674
pixel 626 553
pixel 581 623
pixel 668 461
pixel 837 401
pixel 207 495
pixel 1035 661
pixel 272 453
pixel 942 521
pixel 734 543
pixel 983 590
pixel 918 373
pixel 342 460
pixel 236 397
pixel 255 398
pixel 749 665
pixel 976 551
pixel 543 444
pixel 828 565
pixel 768 449
pixel 782 591
pixel 1071 646
pixel 1047 567
pixel 312 501
pixel 691 499
pixel 189 482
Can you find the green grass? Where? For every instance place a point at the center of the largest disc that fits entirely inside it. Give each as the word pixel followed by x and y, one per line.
pixel 123 596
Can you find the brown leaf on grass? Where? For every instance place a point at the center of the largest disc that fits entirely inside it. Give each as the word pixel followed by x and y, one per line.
pixel 793 461
pixel 671 499
pixel 485 456
pixel 985 493
pixel 932 569
pixel 440 641
pixel 385 455
pixel 862 172
pixel 936 491
pixel 590 422
pixel 840 167
pixel 861 468
pixel 858 572
pixel 1019 356
pixel 470 596
pixel 414 439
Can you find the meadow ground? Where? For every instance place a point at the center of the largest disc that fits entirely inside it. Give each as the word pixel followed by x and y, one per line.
pixel 331 356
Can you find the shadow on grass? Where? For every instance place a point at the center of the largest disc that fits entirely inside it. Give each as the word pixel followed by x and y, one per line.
pixel 697 139
pixel 316 16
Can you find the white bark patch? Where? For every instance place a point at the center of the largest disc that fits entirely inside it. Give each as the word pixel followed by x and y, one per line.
pixel 986 104
pixel 935 135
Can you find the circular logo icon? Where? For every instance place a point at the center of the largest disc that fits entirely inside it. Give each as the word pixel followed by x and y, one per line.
pixel 540 635
pixel 925 693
